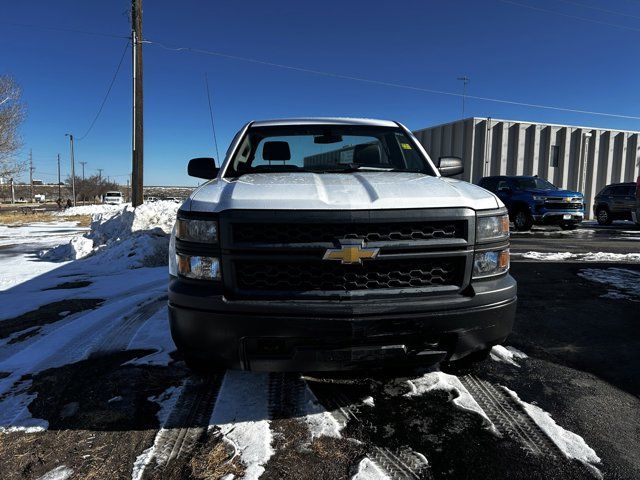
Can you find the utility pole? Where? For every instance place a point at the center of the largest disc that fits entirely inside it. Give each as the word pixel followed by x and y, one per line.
pixel 73 169
pixel 59 186
pixel 465 81
pixel 99 175
pixel 31 169
pixel 84 187
pixel 13 191
pixel 138 143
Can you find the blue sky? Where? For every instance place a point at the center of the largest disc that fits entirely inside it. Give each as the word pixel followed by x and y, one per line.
pixel 509 52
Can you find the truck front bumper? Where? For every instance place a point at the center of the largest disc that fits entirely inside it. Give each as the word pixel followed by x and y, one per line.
pixel 556 217
pixel 329 336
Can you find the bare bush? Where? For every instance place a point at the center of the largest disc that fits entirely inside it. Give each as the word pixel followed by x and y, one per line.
pixel 12 113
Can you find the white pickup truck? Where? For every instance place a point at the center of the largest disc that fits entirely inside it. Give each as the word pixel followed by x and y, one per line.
pixel 332 244
pixel 113 198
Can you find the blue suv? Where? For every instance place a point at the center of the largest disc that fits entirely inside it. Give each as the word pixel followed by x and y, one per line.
pixel 532 200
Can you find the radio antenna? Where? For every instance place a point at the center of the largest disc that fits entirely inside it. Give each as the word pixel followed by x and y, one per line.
pixel 213 125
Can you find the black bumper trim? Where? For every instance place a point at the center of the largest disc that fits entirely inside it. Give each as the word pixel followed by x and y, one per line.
pixel 310 343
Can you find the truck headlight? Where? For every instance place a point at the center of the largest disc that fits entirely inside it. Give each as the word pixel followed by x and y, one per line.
pixel 200 231
pixel 492 228
pixel 200 268
pixel 487 264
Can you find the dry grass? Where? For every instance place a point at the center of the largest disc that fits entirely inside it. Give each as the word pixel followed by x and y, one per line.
pixel 20 218
pixel 215 463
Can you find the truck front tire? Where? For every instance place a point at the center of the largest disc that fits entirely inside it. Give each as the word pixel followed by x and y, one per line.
pixel 522 220
pixel 603 216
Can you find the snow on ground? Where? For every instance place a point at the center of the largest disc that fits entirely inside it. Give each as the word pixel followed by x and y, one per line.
pixel 581 257
pixel 367 470
pixel 141 244
pixel 241 414
pixel 167 401
pixel 621 283
pixel 59 473
pixel 509 355
pixel 37 231
pixel 19 246
pixel 319 421
pixel 571 444
pixel 153 335
pixel 443 381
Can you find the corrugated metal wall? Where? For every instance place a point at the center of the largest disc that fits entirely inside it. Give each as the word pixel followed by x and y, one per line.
pixel 554 152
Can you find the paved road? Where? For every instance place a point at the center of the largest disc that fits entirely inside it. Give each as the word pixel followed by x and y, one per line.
pixel 622 237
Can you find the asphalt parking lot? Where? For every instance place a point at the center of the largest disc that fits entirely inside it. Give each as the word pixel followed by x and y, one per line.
pixel 577 325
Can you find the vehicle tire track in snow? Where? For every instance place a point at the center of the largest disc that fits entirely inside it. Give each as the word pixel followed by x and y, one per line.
pixel 401 463
pixel 186 425
pixel 286 395
pixel 119 337
pixel 72 342
pixel 508 416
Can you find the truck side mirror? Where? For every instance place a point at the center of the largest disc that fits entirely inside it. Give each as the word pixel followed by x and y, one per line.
pixel 450 166
pixel 203 167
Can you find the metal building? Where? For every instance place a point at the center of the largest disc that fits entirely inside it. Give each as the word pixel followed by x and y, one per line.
pixel 576 158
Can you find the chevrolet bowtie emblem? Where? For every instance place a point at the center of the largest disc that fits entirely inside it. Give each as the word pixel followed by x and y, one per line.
pixel 351 251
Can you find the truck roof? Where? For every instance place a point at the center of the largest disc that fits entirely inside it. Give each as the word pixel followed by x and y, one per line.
pixel 324 121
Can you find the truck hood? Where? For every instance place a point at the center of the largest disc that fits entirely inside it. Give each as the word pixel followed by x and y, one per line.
pixel 353 191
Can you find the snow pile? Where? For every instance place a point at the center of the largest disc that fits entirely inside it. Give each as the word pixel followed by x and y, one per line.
pixel 450 383
pixel 508 355
pixel 122 238
pixel 626 283
pixel 89 210
pixel 571 444
pixel 581 257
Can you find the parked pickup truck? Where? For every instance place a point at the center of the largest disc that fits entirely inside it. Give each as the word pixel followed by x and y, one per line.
pixel 532 200
pixel 331 244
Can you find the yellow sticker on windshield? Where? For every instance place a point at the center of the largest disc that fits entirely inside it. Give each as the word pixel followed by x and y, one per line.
pixel 405 146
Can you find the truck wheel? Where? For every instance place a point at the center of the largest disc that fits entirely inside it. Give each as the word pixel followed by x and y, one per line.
pixel 522 220
pixel 568 226
pixel 603 216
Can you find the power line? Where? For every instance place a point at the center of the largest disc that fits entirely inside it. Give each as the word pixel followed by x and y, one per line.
pixel 106 96
pixel 387 84
pixel 575 17
pixel 213 125
pixel 599 9
pixel 63 29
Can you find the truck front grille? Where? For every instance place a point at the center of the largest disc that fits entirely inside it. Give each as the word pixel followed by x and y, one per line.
pixel 563 206
pixel 295 233
pixel 313 276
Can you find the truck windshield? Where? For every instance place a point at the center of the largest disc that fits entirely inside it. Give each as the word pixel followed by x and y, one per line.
pixel 326 149
pixel 533 184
